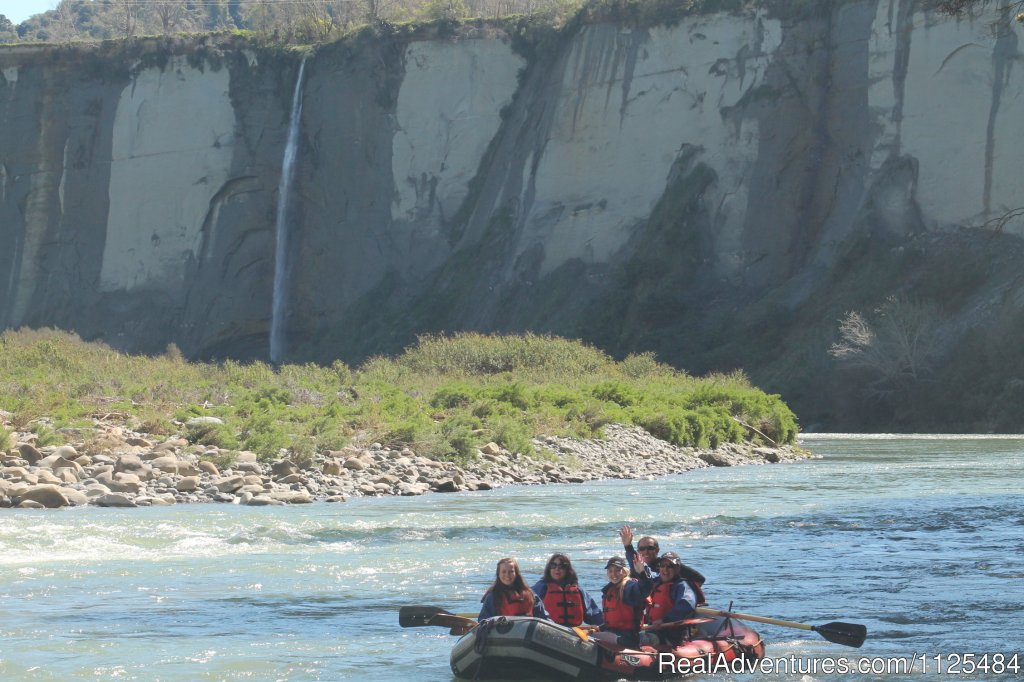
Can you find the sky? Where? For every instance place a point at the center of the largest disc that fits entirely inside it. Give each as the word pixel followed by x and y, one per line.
pixel 20 10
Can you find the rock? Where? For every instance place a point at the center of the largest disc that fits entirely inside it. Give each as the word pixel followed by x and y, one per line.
pixel 249 467
pixel 291 478
pixel 264 501
pixel 229 484
pixel 208 468
pixel 332 468
pixel 29 453
pixel 246 456
pixel 139 442
pixel 355 464
pixel 124 483
pixel 67 452
pixel 445 486
pixel 171 445
pixel 45 476
pixel 166 463
pixel 224 497
pixel 335 498
pixel 130 464
pixel 76 498
pixel 291 496
pixel 187 484
pixel 115 500
pixel 201 421
pixel 282 468
pixel 49 496
pixel 56 461
pixel 30 504
pixel 491 448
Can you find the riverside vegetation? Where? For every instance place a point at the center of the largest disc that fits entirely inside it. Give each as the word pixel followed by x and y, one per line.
pixel 89 424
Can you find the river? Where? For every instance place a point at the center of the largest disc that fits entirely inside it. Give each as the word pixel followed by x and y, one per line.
pixel 920 539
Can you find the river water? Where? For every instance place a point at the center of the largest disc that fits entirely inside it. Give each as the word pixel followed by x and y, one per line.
pixel 920 539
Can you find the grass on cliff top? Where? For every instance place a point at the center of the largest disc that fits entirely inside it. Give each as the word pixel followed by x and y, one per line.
pixel 444 396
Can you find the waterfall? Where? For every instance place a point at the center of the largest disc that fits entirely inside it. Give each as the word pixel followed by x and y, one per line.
pixel 281 261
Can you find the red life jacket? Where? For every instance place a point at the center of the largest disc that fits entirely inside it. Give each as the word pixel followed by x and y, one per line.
pixel 618 615
pixel 660 602
pixel 513 604
pixel 564 604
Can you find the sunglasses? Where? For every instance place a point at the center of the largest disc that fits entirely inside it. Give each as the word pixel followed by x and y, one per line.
pixel 648 548
pixel 558 565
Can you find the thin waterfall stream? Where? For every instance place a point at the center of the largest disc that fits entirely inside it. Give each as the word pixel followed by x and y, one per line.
pixel 281 260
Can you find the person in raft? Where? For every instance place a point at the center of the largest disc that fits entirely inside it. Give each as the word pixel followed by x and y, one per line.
pixel 623 600
pixel 672 600
pixel 509 595
pixel 566 603
pixel 649 549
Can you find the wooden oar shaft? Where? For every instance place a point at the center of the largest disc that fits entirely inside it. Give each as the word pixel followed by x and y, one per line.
pixel 757 619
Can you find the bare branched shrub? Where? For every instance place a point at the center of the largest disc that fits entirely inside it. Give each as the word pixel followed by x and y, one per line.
pixel 899 348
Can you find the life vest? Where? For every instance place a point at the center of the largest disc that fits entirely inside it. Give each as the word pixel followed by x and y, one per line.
pixel 698 592
pixel 660 602
pixel 564 604
pixel 513 604
pixel 618 615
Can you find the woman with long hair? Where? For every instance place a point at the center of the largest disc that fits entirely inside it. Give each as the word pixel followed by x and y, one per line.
pixel 509 595
pixel 623 601
pixel 566 603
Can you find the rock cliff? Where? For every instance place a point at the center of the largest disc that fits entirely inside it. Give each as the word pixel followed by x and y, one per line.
pixel 720 188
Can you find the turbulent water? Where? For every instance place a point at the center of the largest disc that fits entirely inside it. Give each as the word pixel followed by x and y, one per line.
pixel 921 539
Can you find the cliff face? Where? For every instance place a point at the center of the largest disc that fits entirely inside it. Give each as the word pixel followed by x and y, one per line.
pixel 720 191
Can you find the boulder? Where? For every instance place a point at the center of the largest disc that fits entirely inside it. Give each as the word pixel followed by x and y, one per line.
pixel 29 453
pixel 45 476
pixel 166 463
pixel 491 448
pixel 264 501
pixel 115 500
pixel 76 498
pixel 291 496
pixel 49 496
pixel 208 468
pixel 249 467
pixel 187 484
pixel 282 468
pixel 229 484
pixel 201 421
pixel 355 464
pixel 67 452
pixel 123 483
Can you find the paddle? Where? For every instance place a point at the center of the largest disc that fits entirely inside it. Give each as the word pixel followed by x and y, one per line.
pixel 847 634
pixel 421 616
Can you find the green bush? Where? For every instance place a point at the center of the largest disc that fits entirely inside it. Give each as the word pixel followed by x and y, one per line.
pixel 6 440
pixel 215 435
pixel 444 396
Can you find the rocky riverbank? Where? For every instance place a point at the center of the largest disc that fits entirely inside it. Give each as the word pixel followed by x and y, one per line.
pixel 116 467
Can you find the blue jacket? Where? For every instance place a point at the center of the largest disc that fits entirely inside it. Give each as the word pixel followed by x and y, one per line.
pixel 592 614
pixel 489 610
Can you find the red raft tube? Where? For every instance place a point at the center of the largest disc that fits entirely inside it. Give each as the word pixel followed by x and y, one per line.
pixel 518 647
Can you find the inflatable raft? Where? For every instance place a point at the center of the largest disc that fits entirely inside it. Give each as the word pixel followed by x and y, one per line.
pixel 514 646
